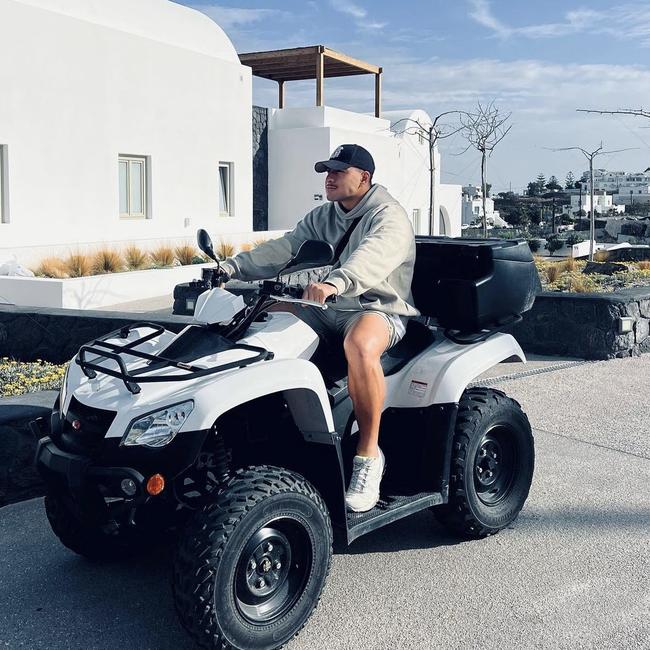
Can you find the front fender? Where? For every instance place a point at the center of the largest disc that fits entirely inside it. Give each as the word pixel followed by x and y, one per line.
pixel 299 380
pixel 443 371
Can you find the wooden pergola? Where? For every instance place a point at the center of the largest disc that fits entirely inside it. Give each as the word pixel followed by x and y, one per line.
pixel 313 62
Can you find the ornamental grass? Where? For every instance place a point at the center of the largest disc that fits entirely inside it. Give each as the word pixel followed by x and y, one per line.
pixel 78 265
pixel 107 260
pixel 162 256
pixel 186 254
pixel 225 249
pixel 51 267
pixel 17 377
pixel 135 258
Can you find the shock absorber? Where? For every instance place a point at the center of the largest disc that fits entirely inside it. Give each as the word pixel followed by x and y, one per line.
pixel 221 469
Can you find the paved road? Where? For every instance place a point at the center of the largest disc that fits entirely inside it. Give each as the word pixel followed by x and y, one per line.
pixel 573 572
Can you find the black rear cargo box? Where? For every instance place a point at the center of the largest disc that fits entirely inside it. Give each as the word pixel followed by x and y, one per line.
pixel 473 284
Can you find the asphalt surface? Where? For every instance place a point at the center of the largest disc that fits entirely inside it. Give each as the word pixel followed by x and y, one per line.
pixel 572 572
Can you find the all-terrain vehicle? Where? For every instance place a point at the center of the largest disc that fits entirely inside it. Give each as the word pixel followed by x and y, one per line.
pixel 236 437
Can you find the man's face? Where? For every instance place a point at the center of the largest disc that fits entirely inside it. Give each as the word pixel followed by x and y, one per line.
pixel 345 184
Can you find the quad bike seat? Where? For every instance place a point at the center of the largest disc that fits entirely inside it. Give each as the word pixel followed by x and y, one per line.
pixel 330 358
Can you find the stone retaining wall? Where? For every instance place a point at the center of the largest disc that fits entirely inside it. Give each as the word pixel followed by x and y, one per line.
pixel 586 325
pixel 55 335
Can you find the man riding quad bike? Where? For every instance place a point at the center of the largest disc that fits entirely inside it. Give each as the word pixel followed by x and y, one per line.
pixel 238 434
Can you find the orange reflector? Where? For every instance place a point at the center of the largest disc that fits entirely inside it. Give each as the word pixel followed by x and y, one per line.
pixel 155 485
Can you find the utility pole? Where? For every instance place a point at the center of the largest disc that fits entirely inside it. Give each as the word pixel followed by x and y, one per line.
pixel 553 217
pixel 590 155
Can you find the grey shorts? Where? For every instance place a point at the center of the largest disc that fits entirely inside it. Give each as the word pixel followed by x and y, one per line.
pixel 331 323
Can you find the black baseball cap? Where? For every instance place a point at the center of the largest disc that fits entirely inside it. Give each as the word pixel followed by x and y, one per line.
pixel 347 155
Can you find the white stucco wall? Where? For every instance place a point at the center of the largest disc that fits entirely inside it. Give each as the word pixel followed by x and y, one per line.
pixel 84 81
pixel 298 137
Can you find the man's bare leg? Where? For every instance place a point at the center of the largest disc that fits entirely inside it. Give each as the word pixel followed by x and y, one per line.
pixel 364 344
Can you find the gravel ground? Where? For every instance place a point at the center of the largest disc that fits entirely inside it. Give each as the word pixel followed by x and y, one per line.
pixel 572 572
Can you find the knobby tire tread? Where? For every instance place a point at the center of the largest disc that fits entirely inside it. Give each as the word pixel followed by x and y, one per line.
pixel 474 406
pixel 240 495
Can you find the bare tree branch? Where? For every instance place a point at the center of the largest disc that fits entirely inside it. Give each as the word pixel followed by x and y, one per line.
pixel 484 129
pixel 639 112
pixel 431 133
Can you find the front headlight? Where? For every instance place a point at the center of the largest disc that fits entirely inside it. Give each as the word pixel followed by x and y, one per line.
pixel 160 428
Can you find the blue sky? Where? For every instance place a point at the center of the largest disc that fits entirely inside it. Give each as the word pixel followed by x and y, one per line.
pixel 538 60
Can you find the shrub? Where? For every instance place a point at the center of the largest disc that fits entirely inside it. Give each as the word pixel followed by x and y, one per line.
pixel 51 267
pixel 570 264
pixel 534 245
pixel 107 260
pixel 553 244
pixel 224 249
pixel 574 239
pixel 185 254
pixel 78 265
pixel 601 255
pixel 135 258
pixel 644 265
pixel 244 248
pixel 553 272
pixel 162 257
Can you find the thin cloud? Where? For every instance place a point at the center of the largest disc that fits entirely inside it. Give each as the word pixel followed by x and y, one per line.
pixel 627 21
pixel 360 15
pixel 349 8
pixel 232 17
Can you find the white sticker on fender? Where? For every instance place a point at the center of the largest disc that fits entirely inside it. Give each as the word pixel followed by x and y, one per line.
pixel 418 388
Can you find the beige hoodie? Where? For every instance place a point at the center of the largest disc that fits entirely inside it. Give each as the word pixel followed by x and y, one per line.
pixel 375 268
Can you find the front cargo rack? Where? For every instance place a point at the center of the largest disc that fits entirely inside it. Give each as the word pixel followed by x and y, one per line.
pixel 132 380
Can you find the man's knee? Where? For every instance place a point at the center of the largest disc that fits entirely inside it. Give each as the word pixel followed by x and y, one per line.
pixel 366 344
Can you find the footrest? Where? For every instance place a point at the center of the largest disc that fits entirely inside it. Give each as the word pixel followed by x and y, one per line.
pixel 389 508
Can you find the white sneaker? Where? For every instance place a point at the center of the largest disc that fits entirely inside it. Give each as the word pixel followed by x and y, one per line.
pixel 363 493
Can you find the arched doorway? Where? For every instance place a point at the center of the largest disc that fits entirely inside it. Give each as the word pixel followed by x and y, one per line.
pixel 444 225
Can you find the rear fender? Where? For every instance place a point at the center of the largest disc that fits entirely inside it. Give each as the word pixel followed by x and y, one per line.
pixel 441 373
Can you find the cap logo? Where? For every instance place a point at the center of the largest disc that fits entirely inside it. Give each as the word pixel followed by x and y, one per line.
pixel 337 152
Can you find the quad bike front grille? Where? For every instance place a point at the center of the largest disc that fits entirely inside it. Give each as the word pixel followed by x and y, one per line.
pixel 84 428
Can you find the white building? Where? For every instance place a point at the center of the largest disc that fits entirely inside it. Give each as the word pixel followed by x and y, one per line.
pixel 603 203
pixel 472 201
pixel 626 188
pixel 300 136
pixel 129 121
pixel 112 125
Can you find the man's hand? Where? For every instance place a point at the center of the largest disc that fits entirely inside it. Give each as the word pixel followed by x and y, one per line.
pixel 319 292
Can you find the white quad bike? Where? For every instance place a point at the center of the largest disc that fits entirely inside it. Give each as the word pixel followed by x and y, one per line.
pixel 237 435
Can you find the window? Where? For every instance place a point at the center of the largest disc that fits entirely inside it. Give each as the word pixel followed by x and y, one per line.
pixel 4 185
pixel 133 186
pixel 226 189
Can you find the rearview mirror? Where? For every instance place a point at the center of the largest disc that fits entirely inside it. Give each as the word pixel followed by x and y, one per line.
pixel 205 244
pixel 313 253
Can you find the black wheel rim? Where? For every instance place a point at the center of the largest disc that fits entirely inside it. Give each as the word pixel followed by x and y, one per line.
pixel 273 570
pixel 494 465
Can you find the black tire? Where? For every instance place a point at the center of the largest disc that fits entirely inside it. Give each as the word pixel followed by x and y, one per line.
pixel 492 464
pixel 88 538
pixel 224 553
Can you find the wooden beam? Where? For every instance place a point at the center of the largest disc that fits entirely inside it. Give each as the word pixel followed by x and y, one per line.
pixel 320 70
pixel 279 54
pixel 378 93
pixel 356 63
pixel 280 94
